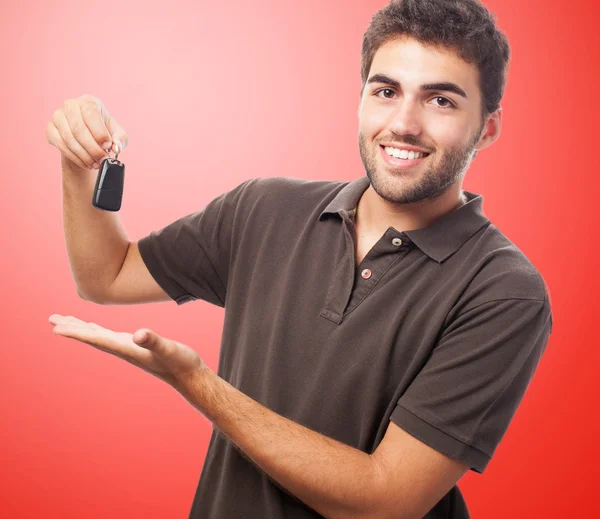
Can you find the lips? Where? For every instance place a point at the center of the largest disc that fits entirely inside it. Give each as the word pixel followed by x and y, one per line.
pixel 401 163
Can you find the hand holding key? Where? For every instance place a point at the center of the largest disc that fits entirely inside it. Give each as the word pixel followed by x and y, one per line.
pixel 84 132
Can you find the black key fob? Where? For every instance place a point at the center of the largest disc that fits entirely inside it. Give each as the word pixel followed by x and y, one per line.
pixel 108 192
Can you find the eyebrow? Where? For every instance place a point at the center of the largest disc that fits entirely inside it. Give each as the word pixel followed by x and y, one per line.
pixel 443 86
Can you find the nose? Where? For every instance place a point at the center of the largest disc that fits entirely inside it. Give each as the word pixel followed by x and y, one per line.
pixel 406 118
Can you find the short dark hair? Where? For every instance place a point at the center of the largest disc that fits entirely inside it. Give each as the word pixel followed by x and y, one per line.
pixel 464 26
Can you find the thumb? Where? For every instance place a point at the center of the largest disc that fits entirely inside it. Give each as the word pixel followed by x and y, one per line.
pixel 148 339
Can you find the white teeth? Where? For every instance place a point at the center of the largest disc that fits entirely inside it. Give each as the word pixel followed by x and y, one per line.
pixel 403 154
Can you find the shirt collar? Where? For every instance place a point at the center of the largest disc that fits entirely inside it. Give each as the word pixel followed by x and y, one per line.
pixel 439 240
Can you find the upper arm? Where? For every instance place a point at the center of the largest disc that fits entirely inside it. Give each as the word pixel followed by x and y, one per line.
pixel 413 477
pixel 455 412
pixel 134 283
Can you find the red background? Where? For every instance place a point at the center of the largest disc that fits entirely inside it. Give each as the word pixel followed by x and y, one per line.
pixel 212 94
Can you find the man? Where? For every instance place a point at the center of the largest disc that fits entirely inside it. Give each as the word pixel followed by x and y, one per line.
pixel 379 334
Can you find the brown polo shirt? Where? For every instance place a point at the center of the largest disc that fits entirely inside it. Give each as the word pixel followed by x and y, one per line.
pixel 439 329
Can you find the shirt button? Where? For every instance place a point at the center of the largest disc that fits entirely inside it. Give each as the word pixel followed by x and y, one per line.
pixel 366 274
pixel 397 242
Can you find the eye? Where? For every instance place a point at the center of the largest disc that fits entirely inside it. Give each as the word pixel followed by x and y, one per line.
pixel 383 90
pixel 446 106
pixel 446 103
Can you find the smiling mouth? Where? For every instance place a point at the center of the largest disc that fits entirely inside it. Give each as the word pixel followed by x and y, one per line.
pixel 398 164
pixel 423 155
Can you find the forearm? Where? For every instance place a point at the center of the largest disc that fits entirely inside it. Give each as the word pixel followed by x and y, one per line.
pixel 336 480
pixel 96 241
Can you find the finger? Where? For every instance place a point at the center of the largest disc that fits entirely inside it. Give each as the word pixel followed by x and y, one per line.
pixel 92 113
pixel 120 137
pixel 62 124
pixel 102 339
pixel 81 132
pixel 57 319
pixel 57 140
pixel 95 326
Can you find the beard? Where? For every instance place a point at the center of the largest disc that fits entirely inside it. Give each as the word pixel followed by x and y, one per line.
pixel 431 184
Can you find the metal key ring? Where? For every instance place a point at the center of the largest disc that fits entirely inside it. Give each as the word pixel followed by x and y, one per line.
pixel 116 154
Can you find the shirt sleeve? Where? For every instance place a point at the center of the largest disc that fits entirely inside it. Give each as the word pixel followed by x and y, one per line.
pixel 190 257
pixel 470 387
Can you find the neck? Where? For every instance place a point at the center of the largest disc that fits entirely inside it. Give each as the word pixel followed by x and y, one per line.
pixel 376 214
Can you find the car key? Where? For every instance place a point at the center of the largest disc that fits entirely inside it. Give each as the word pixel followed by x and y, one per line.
pixel 108 192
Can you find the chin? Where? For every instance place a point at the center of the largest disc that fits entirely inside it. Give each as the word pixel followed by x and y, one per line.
pixel 389 186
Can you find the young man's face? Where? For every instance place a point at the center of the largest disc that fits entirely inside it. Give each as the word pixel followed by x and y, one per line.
pixel 443 123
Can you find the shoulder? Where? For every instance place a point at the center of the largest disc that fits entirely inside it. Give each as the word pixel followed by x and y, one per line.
pixel 500 270
pixel 288 194
pixel 301 189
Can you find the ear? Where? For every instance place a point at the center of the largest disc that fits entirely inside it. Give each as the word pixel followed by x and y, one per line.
pixel 491 131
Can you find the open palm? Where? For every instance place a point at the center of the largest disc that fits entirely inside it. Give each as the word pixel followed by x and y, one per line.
pixel 166 359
